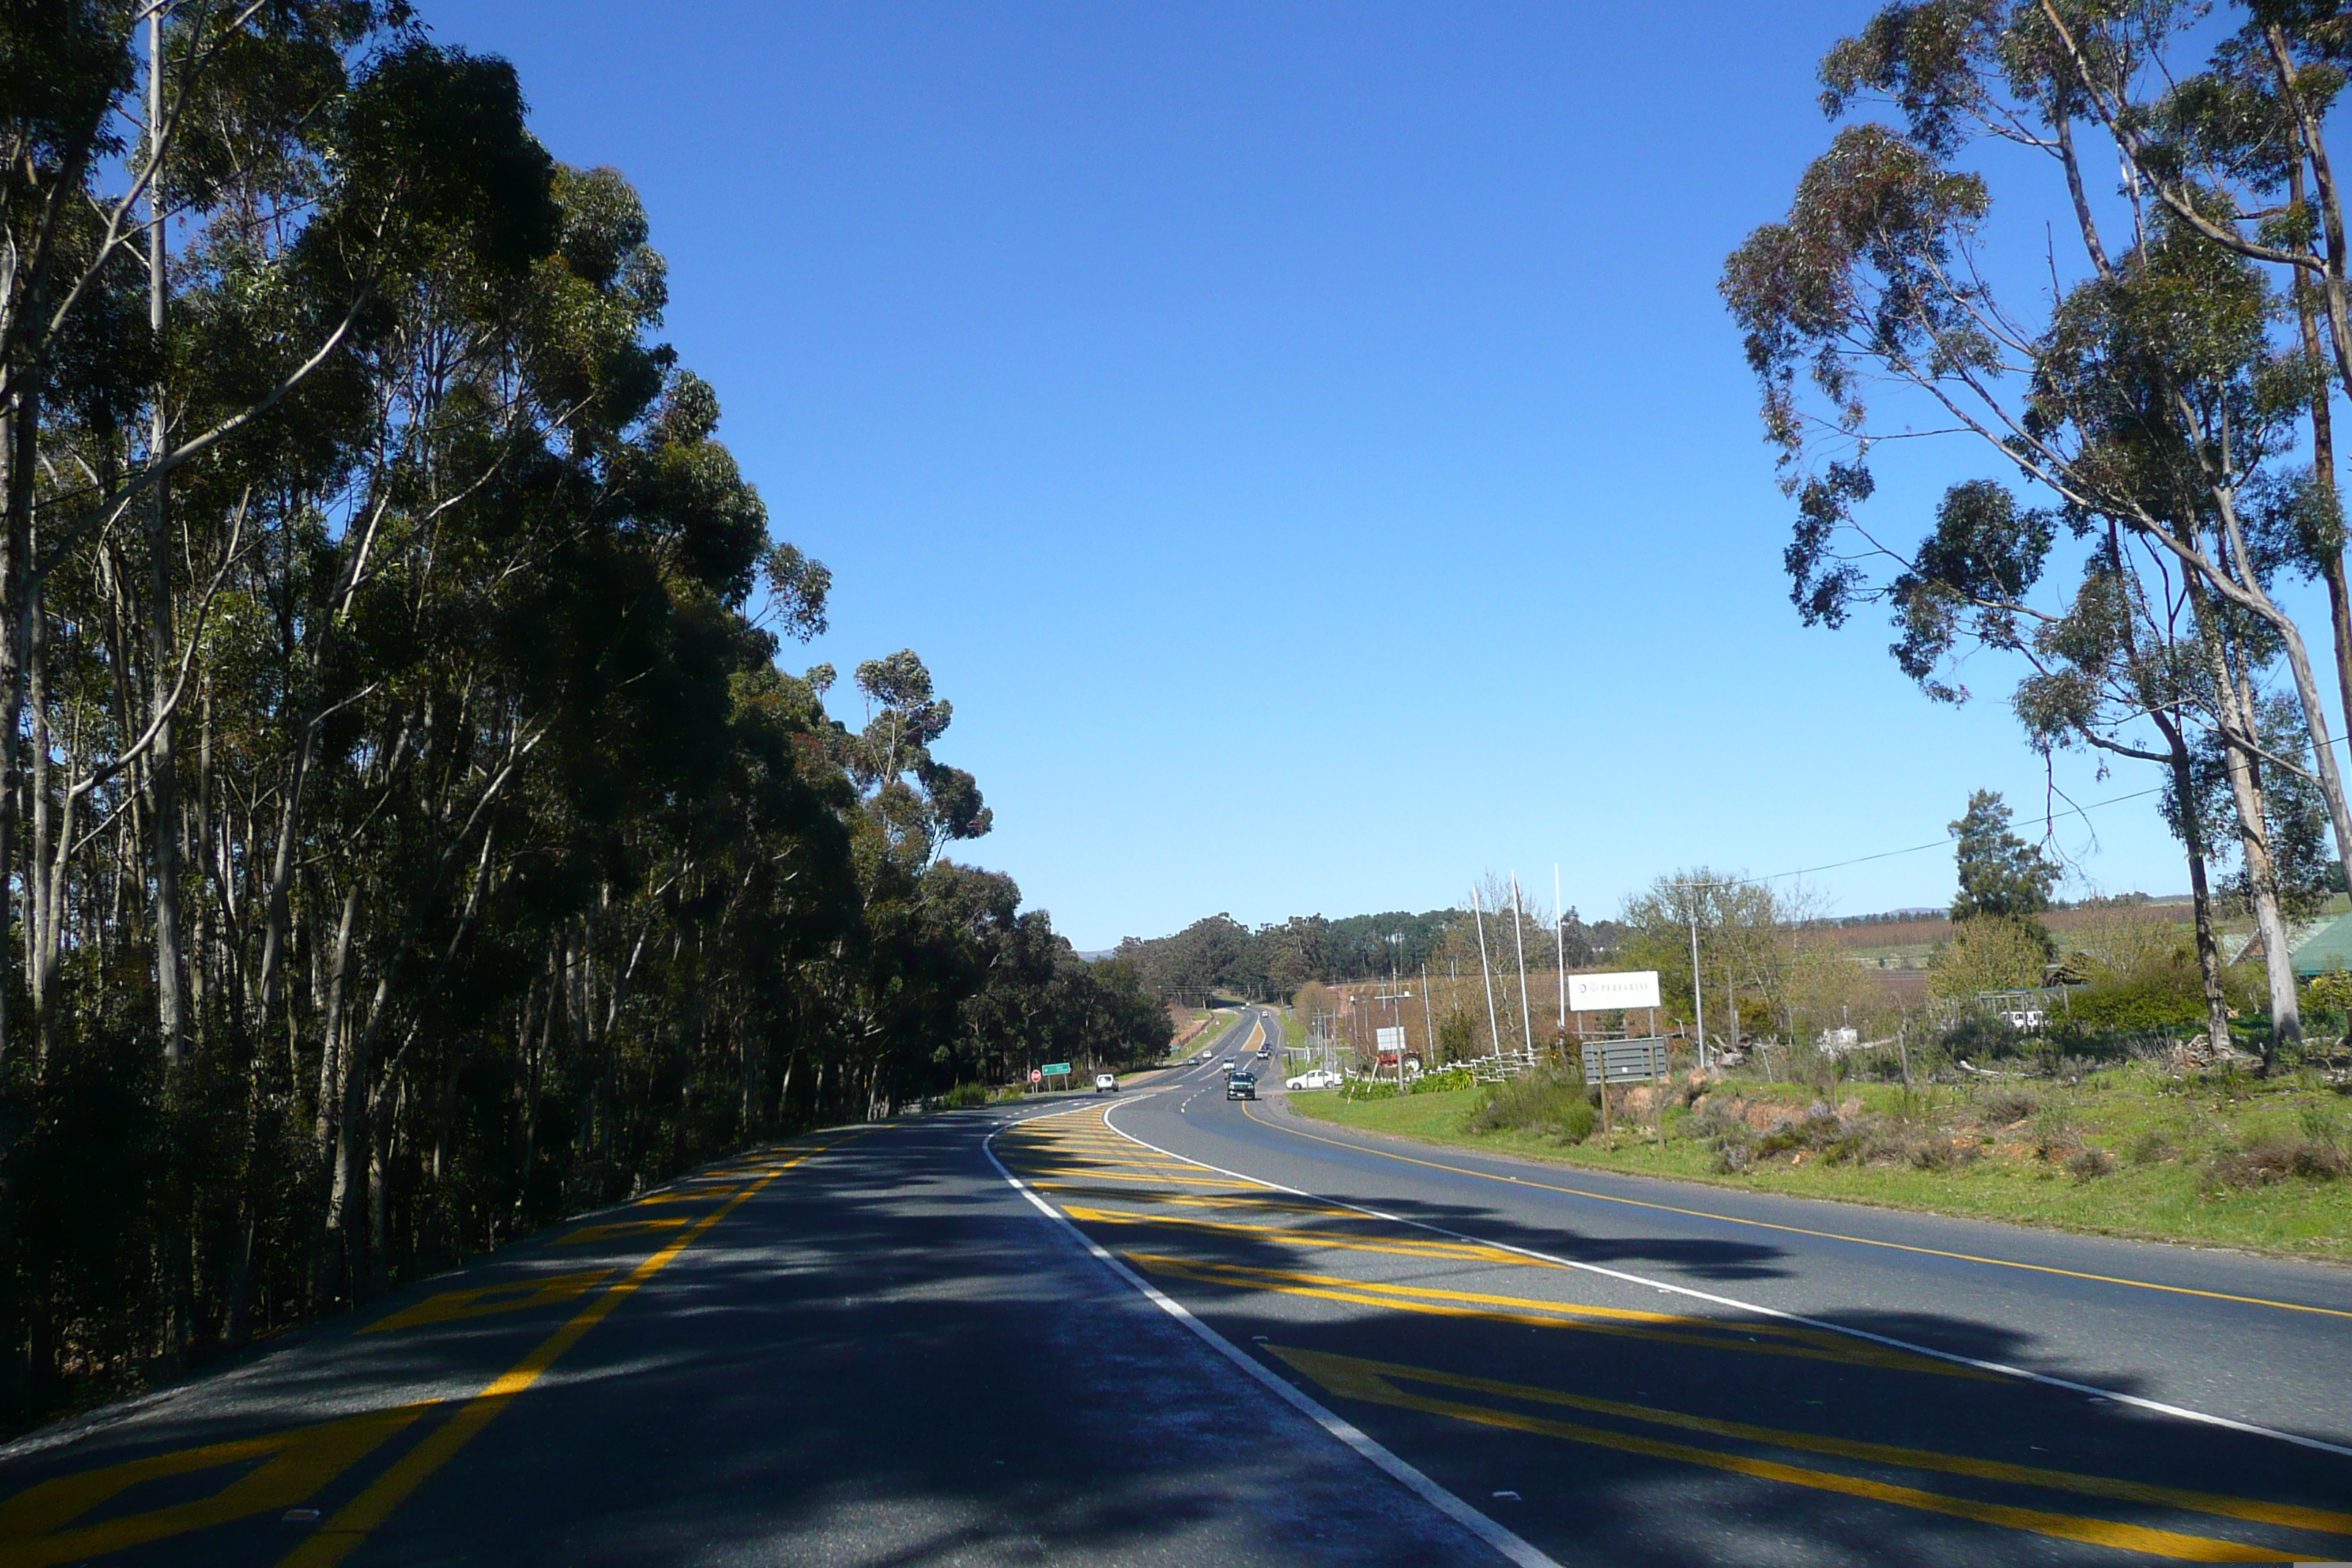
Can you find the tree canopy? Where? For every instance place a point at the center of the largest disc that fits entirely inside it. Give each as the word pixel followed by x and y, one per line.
pixel 408 834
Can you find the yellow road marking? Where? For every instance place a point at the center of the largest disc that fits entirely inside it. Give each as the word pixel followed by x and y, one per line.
pixel 514 1296
pixel 711 1196
pixel 2291 1515
pixel 1197 1200
pixel 33 1533
pixel 1107 1158
pixel 1101 1176
pixel 1290 1236
pixel 356 1520
pixel 1701 1332
pixel 1802 1230
pixel 588 1233
pixel 1370 1383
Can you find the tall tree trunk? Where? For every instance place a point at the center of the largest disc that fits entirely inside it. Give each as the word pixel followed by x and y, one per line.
pixel 21 448
pixel 2201 894
pixel 162 779
pixel 2244 774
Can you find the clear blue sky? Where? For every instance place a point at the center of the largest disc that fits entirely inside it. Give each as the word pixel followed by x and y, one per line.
pixel 1303 440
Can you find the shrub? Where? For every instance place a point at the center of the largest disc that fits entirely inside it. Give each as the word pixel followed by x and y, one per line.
pixel 1999 1107
pixel 1550 1102
pixel 2055 1133
pixel 1980 1037
pixel 962 1095
pixel 2155 996
pixel 1939 1154
pixel 2274 1159
pixel 2151 1146
pixel 2089 1163
pixel 1440 1082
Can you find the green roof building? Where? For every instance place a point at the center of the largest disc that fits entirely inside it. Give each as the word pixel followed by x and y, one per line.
pixel 2327 946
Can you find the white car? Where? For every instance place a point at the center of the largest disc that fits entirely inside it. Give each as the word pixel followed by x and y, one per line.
pixel 1106 1083
pixel 1316 1078
pixel 1229 1063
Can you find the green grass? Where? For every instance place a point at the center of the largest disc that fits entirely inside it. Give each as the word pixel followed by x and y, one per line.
pixel 2160 1137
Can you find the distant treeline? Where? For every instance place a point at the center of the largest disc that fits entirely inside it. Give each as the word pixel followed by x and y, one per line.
pixel 1274 959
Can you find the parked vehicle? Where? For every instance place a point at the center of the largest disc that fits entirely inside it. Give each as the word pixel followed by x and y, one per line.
pixel 1314 1078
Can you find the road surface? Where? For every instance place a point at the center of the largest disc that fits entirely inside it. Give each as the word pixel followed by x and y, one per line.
pixel 1163 1328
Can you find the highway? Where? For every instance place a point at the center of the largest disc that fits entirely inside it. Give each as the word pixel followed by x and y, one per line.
pixel 1162 1328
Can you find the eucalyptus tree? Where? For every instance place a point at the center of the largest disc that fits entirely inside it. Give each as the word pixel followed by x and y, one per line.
pixel 2151 393
pixel 2156 399
pixel 304 159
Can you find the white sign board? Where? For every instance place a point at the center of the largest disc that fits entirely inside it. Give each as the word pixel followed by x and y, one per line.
pixel 1389 1039
pixel 1606 992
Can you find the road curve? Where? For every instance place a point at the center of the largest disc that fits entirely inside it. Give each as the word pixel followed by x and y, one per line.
pixel 1163 1328
pixel 1664 1371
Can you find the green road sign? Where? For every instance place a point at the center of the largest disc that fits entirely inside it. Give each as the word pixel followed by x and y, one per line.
pixel 1057 1070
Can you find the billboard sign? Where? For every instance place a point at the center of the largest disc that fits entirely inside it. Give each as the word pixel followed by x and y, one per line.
pixel 1606 992
pixel 1388 1040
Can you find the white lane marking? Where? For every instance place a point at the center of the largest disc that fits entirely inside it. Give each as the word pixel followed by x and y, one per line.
pixel 2179 1412
pixel 1510 1545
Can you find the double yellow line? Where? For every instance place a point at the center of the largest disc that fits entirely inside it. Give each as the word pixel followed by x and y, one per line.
pixel 1377 1383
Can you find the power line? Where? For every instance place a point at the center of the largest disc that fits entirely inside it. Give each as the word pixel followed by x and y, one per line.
pixel 1942 843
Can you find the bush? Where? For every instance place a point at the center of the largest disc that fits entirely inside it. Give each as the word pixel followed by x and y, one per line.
pixel 1980 1037
pixel 2089 1163
pixel 2000 1107
pixel 963 1094
pixel 2158 997
pixel 2275 1158
pixel 1551 1102
pixel 1442 1082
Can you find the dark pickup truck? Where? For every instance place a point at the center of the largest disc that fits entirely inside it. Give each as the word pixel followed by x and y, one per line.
pixel 1240 1086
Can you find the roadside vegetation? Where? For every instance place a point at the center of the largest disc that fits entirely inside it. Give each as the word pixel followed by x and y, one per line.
pixel 408 832
pixel 2143 1147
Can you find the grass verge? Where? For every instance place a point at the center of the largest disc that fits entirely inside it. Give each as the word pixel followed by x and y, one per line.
pixel 2220 1163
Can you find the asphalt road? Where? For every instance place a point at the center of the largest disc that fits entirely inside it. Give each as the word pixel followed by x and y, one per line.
pixel 1160 1327
pixel 1621 1370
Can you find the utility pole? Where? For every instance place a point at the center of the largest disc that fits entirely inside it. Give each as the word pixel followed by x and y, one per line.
pixel 1518 940
pixel 1559 937
pixel 1428 1023
pixel 1698 990
pixel 1494 1029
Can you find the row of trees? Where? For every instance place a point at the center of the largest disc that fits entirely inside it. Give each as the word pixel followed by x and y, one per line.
pixel 2156 404
pixel 406 833
pixel 1276 959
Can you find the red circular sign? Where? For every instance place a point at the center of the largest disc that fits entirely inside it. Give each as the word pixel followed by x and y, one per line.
pixel 1036 1077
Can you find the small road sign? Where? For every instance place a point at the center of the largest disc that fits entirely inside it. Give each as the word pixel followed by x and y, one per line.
pixel 1057 1070
pixel 1625 1061
pixel 1036 1077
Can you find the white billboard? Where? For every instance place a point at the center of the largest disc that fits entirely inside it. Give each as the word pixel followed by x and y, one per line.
pixel 1605 993
pixel 1388 1040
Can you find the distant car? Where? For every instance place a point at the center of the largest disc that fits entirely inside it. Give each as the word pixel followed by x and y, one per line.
pixel 1106 1083
pixel 1241 1086
pixel 1229 1063
pixel 1314 1078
